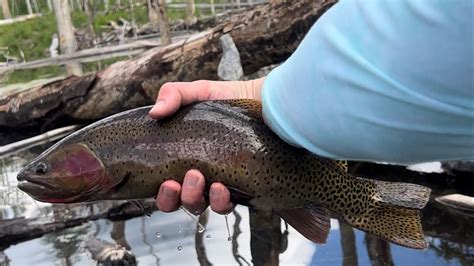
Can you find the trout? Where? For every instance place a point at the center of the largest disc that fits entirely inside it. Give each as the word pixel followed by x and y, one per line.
pixel 129 155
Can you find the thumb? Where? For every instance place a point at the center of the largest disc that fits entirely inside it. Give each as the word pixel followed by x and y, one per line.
pixel 173 95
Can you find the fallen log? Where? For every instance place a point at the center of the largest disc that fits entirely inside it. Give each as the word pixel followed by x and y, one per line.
pixel 46 137
pixel 90 55
pixel 18 19
pixel 264 35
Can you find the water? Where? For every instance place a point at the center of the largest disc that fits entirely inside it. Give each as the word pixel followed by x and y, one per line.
pixel 255 237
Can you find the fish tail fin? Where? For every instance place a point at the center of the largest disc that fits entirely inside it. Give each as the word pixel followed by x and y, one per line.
pixel 401 194
pixel 394 213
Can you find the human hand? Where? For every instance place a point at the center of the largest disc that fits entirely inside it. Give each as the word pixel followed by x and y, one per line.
pixel 170 98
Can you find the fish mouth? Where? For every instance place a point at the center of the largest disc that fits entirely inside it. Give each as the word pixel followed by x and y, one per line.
pixel 41 190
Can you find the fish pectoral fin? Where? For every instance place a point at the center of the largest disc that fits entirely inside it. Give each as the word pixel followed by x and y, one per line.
pixel 238 196
pixel 313 222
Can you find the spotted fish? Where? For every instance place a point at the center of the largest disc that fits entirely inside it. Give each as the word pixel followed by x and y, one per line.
pixel 128 156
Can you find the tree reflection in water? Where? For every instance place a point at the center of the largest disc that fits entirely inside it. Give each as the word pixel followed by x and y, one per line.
pixel 199 240
pixel 450 234
pixel 348 244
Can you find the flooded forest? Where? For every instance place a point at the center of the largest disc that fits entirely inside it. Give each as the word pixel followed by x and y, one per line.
pixel 65 64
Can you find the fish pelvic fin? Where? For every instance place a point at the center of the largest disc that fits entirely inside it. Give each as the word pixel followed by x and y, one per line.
pixel 394 213
pixel 313 222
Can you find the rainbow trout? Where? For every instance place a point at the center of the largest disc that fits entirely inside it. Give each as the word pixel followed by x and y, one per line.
pixel 128 156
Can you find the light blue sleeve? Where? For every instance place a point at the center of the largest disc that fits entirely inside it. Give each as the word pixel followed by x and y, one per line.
pixel 387 81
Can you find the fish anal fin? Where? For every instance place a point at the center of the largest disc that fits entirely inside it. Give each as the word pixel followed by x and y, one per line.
pixel 313 222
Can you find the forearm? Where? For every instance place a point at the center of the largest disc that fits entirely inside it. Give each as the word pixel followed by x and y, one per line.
pixel 379 82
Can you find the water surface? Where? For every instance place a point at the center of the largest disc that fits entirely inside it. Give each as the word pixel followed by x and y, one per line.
pixel 256 238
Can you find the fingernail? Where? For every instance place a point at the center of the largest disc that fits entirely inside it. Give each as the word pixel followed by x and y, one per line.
pixel 158 106
pixel 216 192
pixel 191 180
pixel 169 193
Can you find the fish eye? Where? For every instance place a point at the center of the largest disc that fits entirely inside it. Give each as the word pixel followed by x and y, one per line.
pixel 41 168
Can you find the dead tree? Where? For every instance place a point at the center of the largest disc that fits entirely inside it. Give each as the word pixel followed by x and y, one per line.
pixel 163 22
pixel 5 9
pixel 28 6
pixel 263 34
pixel 190 12
pixel 66 34
pixel 152 14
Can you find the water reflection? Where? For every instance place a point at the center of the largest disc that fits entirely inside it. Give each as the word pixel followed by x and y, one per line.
pixel 258 238
pixel 348 244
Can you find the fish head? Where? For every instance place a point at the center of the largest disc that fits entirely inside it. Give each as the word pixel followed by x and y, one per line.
pixel 65 173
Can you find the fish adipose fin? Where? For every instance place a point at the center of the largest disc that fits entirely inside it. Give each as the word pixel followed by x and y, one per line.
pixel 394 214
pixel 313 222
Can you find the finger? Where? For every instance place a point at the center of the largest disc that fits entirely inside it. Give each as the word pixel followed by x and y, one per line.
pixel 192 192
pixel 168 196
pixel 219 197
pixel 175 94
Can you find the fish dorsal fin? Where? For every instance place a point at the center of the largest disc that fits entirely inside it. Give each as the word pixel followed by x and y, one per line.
pixel 313 222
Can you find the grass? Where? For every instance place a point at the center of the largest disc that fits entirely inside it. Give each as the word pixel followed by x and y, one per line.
pixel 31 39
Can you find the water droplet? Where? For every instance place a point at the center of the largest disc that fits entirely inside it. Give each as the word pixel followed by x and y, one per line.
pixel 200 228
pixel 180 231
pixel 158 234
pixel 179 248
pixel 208 236
pixel 195 217
pixel 229 238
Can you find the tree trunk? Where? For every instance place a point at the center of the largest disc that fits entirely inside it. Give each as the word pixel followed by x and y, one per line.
pixel 163 21
pixel 152 14
pixel 5 9
pixel 132 16
pixel 79 5
pixel 190 12
pixel 28 6
pixel 106 6
pixel 348 244
pixel 35 6
pixel 50 6
pixel 90 19
pixel 263 34
pixel 378 250
pixel 67 41
pixel 213 8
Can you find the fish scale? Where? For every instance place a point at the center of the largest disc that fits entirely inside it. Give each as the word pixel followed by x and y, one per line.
pixel 132 154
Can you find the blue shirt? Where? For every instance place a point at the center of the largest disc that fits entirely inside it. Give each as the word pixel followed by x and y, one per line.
pixel 384 81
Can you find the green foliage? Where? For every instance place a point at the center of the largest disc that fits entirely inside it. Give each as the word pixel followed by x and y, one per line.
pixel 20 76
pixel 33 37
